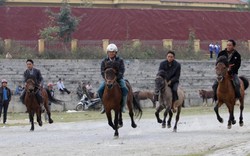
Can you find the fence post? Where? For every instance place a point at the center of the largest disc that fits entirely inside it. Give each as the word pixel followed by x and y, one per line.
pixel 41 47
pixel 105 43
pixel 248 45
pixel 167 44
pixel 74 45
pixel 196 45
pixel 7 44
pixel 223 44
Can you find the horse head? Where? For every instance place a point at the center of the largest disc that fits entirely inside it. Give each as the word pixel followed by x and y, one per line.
pixel 160 80
pixel 110 77
pixel 30 85
pixel 221 68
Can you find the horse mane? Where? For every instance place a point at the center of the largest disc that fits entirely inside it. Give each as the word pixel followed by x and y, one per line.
pixel 222 59
pixel 112 64
pixel 161 73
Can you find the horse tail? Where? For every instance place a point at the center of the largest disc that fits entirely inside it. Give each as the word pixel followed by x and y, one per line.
pixel 137 108
pixel 245 82
pixel 52 99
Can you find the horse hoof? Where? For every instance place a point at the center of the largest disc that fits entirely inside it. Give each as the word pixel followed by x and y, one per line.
pixel 51 121
pixel 163 126
pixel 174 130
pixel 116 136
pixel 159 121
pixel 120 125
pixel 229 126
pixel 40 124
pixel 234 122
pixel 134 125
pixel 32 129
pixel 169 126
pixel 220 120
pixel 241 124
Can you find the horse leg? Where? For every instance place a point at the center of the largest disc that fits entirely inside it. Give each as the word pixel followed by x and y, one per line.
pixel 116 135
pixel 231 119
pixel 177 118
pixel 47 108
pixel 164 118
pixel 120 122
pixel 241 112
pixel 169 119
pixel 39 117
pixel 216 109
pixel 109 117
pixel 158 110
pixel 131 114
pixel 31 116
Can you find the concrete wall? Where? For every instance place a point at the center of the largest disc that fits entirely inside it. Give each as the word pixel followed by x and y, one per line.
pixel 195 75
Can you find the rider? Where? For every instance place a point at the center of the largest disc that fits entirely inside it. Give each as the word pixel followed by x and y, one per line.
pixel 35 74
pixel 234 59
pixel 112 56
pixel 172 70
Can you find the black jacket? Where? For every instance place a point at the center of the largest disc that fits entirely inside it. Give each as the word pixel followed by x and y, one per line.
pixel 172 71
pixel 8 94
pixel 36 76
pixel 235 59
pixel 118 61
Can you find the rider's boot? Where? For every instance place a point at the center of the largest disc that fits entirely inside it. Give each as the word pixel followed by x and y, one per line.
pixel 124 102
pixel 22 96
pixel 102 110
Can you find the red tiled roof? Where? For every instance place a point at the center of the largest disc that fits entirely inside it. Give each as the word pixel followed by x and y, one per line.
pixel 208 1
pixel 24 23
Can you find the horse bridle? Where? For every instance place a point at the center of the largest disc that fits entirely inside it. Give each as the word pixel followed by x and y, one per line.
pixel 222 66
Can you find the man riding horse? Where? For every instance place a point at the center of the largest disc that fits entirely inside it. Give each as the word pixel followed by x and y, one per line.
pixel 35 74
pixel 172 70
pixel 112 57
pixel 234 62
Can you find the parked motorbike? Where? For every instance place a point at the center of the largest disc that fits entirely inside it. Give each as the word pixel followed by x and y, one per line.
pixel 86 103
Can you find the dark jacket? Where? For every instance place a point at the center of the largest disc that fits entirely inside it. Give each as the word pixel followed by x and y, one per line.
pixel 8 94
pixel 36 76
pixel 121 67
pixel 172 71
pixel 235 59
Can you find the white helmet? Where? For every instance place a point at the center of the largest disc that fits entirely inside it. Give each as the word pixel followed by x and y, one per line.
pixel 112 47
pixel 4 81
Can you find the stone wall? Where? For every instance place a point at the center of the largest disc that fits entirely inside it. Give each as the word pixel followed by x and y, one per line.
pixel 195 75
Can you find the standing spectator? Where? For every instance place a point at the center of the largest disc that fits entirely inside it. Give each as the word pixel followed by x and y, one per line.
pixel 61 87
pixel 52 93
pixel 211 49
pixel 89 89
pixel 79 90
pixel 5 97
pixel 216 49
pixel 19 89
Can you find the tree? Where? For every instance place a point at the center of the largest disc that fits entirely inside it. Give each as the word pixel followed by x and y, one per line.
pixel 61 25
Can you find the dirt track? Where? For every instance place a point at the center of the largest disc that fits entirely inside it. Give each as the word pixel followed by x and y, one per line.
pixel 199 134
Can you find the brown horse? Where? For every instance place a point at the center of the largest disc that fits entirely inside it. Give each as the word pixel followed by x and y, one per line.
pixel 226 93
pixel 206 94
pixel 165 101
pixel 33 105
pixel 144 95
pixel 112 98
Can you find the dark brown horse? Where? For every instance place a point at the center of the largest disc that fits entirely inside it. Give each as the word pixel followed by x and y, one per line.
pixel 165 101
pixel 144 95
pixel 226 93
pixel 112 98
pixel 32 104
pixel 206 94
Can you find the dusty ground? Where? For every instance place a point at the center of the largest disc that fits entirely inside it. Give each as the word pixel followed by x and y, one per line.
pixel 197 135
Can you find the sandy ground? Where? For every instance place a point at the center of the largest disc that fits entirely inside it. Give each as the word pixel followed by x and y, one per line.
pixel 197 135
